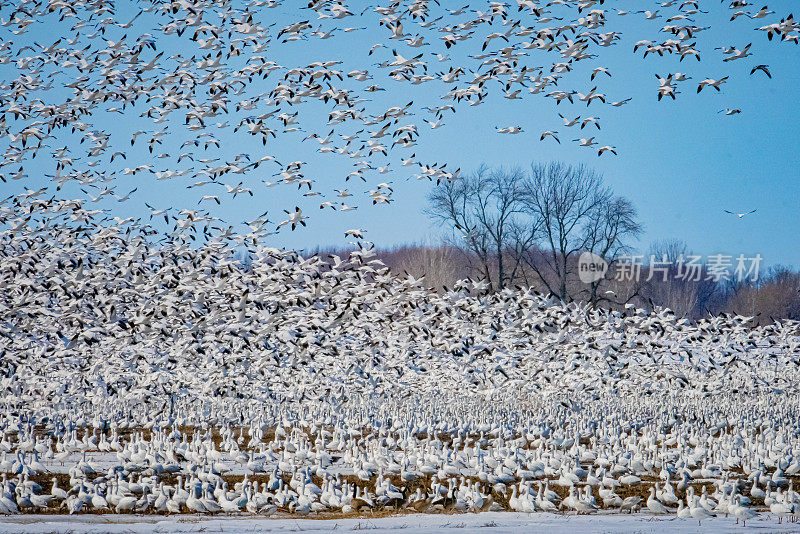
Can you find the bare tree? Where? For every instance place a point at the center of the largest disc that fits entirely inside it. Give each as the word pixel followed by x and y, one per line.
pixel 562 198
pixel 490 221
pixel 515 223
pixel 672 250
pixel 609 225
pixel 776 296
pixel 669 284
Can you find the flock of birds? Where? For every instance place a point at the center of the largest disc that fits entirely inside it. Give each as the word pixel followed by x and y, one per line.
pixel 144 369
pixel 97 94
pixel 153 377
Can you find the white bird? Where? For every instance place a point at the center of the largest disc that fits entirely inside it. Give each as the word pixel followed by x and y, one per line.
pixel 708 82
pixel 296 217
pixel 356 233
pixel 654 505
pixel 741 511
pixel 740 215
pixel 698 512
pixel 586 142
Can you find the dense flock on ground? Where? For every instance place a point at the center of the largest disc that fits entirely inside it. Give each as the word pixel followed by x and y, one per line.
pixel 160 377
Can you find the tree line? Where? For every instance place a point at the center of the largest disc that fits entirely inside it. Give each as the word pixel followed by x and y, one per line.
pixel 513 227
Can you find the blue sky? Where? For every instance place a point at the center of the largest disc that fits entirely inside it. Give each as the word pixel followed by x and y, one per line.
pixel 681 163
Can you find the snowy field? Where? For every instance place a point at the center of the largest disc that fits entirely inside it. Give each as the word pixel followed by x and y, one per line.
pixel 485 523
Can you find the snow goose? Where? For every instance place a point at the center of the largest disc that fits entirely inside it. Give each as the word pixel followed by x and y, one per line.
pixel 654 505
pixel 738 509
pixel 57 492
pixel 780 507
pixel 631 504
pixel 684 512
pixel 543 503
pixel 125 504
pixel 756 492
pixel 709 82
pixel 193 503
pixel 699 512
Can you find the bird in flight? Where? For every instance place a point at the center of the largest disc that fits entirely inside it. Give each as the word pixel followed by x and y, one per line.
pixel 552 134
pixel 509 130
pixel 709 82
pixel 740 215
pixel 762 68
pixel 356 233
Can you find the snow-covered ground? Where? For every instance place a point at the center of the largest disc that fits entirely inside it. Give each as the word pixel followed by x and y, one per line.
pixel 485 523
